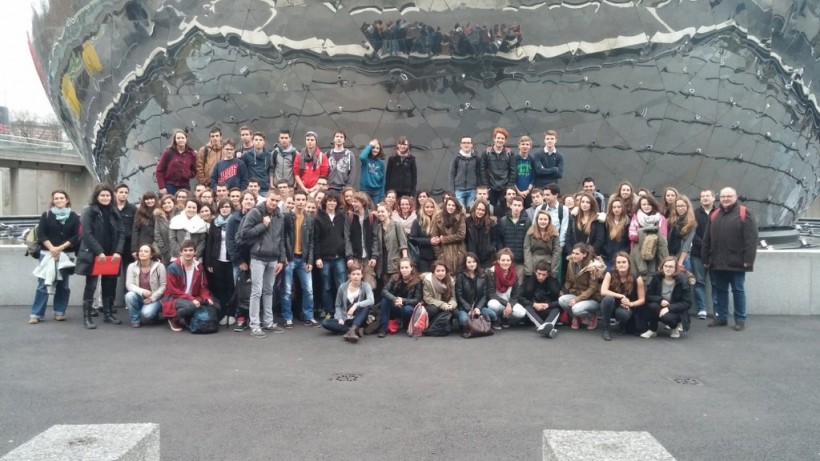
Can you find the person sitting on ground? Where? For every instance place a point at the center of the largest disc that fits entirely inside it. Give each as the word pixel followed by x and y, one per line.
pixel 668 300
pixel 504 290
pixel 186 288
pixel 353 302
pixel 471 292
pixel 539 296
pixel 145 282
pixel 582 293
pixel 623 295
pixel 439 293
pixel 400 295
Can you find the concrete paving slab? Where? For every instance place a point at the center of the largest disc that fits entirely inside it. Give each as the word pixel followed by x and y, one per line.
pixel 230 396
pixel 603 446
pixel 91 442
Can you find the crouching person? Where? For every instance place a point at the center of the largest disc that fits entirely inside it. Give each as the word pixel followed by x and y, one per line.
pixel 624 298
pixel 504 290
pixel 539 296
pixel 186 288
pixel 471 292
pixel 668 300
pixel 353 301
pixel 145 282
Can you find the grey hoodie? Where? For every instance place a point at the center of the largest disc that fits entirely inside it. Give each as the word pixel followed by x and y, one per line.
pixel 267 243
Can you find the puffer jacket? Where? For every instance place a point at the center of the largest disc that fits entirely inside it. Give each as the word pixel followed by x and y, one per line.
pixel 511 235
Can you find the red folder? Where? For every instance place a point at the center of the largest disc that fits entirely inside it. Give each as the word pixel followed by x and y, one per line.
pixel 108 267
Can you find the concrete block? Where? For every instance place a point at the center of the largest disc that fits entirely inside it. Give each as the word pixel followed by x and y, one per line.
pixel 17 284
pixel 781 283
pixel 92 442
pixel 602 445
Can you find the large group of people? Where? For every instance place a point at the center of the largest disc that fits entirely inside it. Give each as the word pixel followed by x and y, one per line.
pixel 503 243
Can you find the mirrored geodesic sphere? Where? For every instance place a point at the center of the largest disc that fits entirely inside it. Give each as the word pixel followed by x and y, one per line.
pixel 696 94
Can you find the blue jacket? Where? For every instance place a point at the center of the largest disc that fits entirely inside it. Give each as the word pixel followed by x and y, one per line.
pixel 259 167
pixel 373 171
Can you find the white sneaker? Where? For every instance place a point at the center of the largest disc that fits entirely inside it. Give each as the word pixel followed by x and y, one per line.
pixel 702 315
pixel 231 320
pixel 649 334
pixel 676 332
pixel 223 321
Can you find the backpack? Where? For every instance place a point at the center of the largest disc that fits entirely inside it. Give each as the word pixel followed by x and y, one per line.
pixel 204 320
pixel 418 321
pixel 33 246
pixel 649 248
pixel 742 214
pixel 441 325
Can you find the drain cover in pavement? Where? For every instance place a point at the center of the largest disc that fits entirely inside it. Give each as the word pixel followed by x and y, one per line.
pixel 346 377
pixel 688 381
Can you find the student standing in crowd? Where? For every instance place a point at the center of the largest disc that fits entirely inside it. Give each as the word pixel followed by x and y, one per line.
pixel 448 234
pixel 299 233
pixel 208 156
pixel 480 236
pixel 218 259
pixel 549 163
pixel 541 244
pixel 340 163
pixel 373 171
pixel 257 162
pixel 332 232
pixel 282 160
pixel 309 165
pixel 497 166
pixel 524 170
pixel 464 173
pixel 421 233
pixel 405 215
pixel 616 238
pixel 142 232
pixel 177 165
pixel 188 226
pixel 703 216
pixel 389 243
pixel 230 170
pixel 401 173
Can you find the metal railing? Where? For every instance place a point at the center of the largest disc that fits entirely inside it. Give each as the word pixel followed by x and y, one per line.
pixel 20 143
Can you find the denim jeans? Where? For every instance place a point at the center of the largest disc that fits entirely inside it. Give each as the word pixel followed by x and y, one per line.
pixel 61 294
pixel 357 321
pixel 334 273
pixel 700 285
pixel 737 281
pixel 465 197
pixel 377 195
pixel 172 189
pixel 585 308
pixel 297 267
pixel 263 276
pixel 138 310
pixel 387 310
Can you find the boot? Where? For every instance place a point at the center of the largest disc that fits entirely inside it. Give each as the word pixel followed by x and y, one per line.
pixel 605 334
pixel 108 317
pixel 351 335
pixel 87 320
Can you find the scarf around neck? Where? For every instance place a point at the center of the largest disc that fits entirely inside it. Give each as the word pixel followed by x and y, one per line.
pixel 645 220
pixel 195 225
pixel 502 282
pixel 220 220
pixel 61 214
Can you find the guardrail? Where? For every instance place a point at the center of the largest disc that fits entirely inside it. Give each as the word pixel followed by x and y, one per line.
pixel 12 227
pixel 40 145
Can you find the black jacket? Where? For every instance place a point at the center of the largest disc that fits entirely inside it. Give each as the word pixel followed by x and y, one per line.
pixel 548 168
pixel 401 175
pixel 58 233
pixel 681 300
pixel 127 215
pixel 329 237
pixel 596 237
pixel 533 291
pixel 481 241
pixel 141 234
pixel 213 244
pixel 703 220
pixel 238 254
pixel 612 247
pixel 421 240
pixel 497 170
pixel 94 237
pixel 472 293
pixel 307 237
pixel 464 172
pixel 354 249
pixel 730 243
pixel 511 235
pixel 396 288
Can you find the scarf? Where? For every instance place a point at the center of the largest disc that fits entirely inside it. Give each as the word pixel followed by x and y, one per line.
pixel 645 220
pixel 502 283
pixel 221 221
pixel 61 214
pixel 439 287
pixel 195 225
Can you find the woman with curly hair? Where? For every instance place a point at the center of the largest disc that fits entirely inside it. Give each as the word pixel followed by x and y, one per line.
pixel 448 235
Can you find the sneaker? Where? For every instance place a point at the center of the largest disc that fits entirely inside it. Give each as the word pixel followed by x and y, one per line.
pixel 740 326
pixel 136 325
pixel 33 321
pixel 382 334
pixel 505 323
pixel 649 334
pixel 545 328
pixel 312 323
pixel 175 326
pixel 258 333
pixel 273 328
pixel 575 323
pixel 231 320
pixel 702 315
pixel 553 333
pixel 592 323
pixel 59 317
pixel 223 321
pixel 605 334
pixel 289 324
pixel 241 324
pixel 496 325
pixel 717 323
pixel 676 332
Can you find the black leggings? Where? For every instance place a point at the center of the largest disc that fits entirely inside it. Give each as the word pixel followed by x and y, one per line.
pixel 108 289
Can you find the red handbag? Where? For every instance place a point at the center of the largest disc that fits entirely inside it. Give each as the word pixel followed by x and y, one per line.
pixel 107 267
pixel 392 326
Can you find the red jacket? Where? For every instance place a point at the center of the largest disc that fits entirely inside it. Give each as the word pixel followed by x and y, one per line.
pixel 311 171
pixel 175 168
pixel 175 287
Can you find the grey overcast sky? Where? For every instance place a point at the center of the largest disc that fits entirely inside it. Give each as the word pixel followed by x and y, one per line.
pixel 20 88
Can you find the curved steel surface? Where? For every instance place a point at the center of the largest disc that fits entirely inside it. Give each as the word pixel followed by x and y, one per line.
pixel 695 94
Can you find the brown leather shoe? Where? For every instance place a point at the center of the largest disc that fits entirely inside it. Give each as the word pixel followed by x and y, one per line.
pixel 717 323
pixel 740 326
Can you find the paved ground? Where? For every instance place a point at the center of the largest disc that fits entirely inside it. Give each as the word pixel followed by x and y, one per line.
pixel 230 396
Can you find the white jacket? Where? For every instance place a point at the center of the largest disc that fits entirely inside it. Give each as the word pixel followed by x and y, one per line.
pixel 49 269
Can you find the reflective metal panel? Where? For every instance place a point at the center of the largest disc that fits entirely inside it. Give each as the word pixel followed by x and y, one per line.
pixel 696 94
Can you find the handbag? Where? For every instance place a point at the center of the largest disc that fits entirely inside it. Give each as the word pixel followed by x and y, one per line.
pixel 107 267
pixel 477 326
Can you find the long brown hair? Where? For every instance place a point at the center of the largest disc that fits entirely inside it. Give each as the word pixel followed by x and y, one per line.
pixel 616 284
pixel 549 233
pixel 584 220
pixel 688 221
pixel 447 282
pixel 616 229
pixel 173 145
pixel 414 277
pixel 145 214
